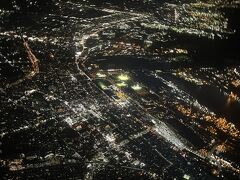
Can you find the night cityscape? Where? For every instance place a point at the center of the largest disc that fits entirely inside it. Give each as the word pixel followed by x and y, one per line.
pixel 120 89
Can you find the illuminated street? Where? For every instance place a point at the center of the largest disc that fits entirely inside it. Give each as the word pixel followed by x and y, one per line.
pixel 140 89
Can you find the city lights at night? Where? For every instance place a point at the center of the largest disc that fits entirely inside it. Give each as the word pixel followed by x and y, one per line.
pixel 126 89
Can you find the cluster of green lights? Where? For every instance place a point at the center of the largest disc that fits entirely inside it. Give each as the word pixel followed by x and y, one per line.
pixel 102 86
pixel 123 77
pixel 121 84
pixel 136 87
pixel 101 75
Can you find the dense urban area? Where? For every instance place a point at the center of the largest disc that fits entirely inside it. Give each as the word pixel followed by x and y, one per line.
pixel 138 89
